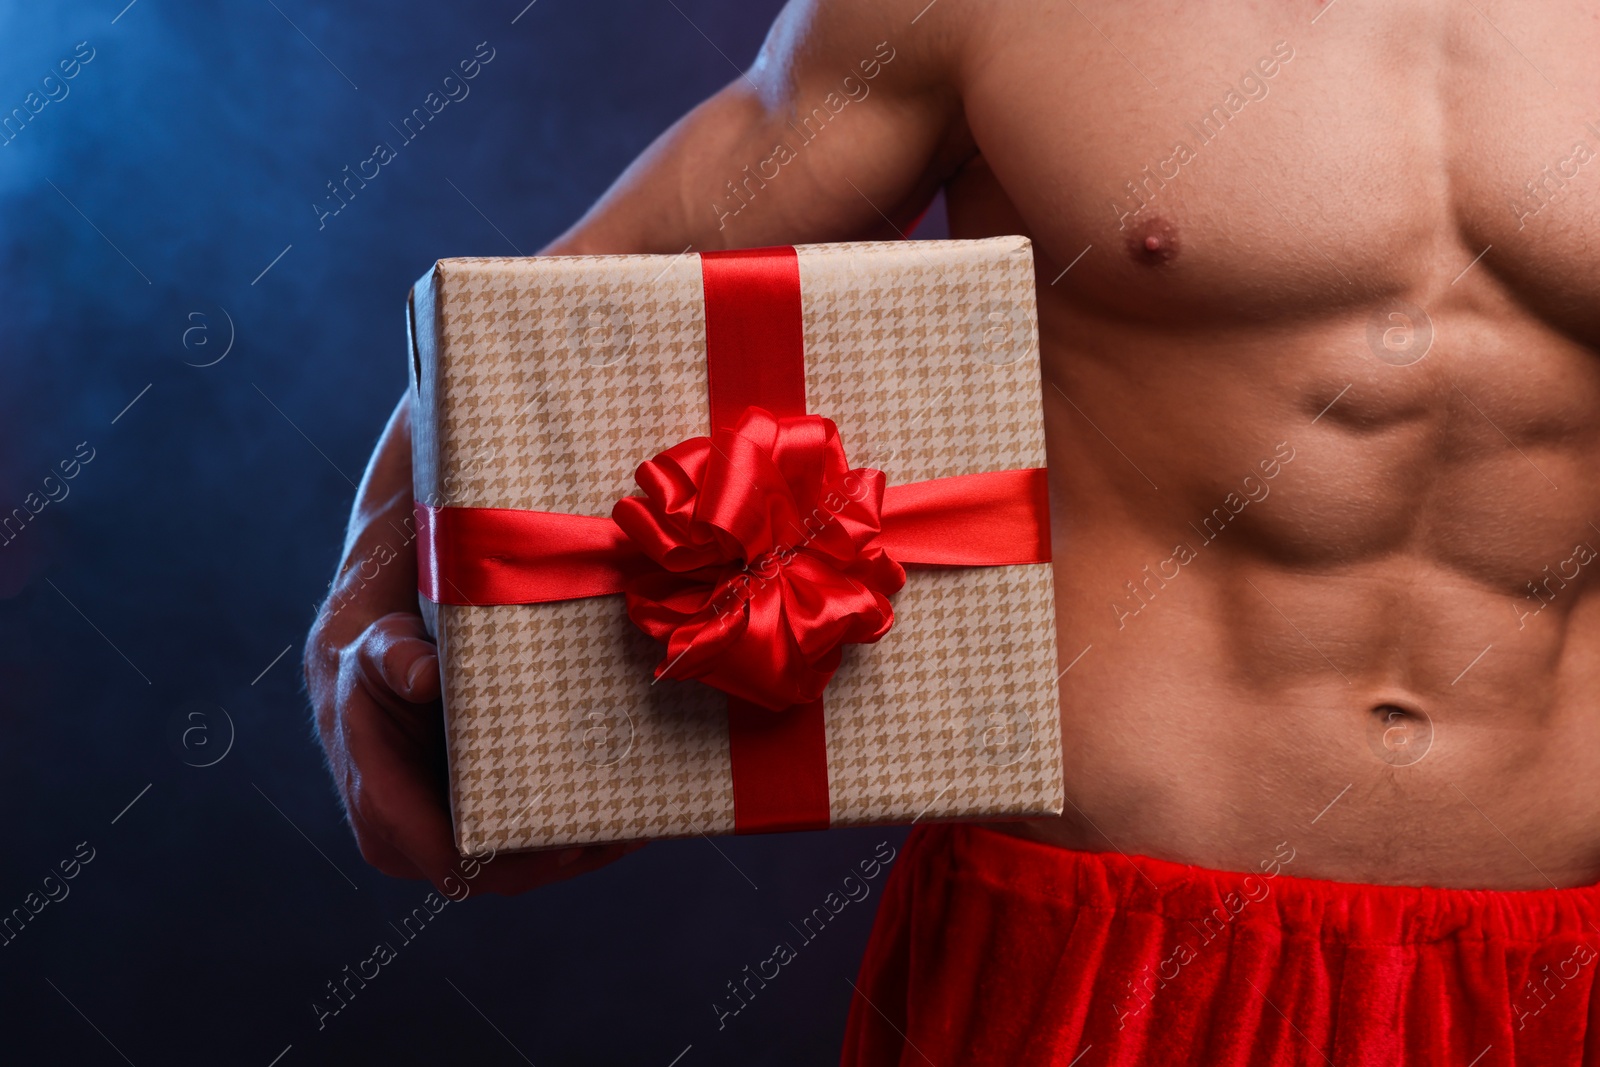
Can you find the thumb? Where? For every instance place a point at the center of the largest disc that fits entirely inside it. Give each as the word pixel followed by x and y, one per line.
pixel 396 653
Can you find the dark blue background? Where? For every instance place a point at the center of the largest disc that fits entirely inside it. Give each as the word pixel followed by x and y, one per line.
pixel 191 550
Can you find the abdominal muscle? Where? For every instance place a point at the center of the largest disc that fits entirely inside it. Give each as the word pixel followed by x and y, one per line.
pixel 1308 596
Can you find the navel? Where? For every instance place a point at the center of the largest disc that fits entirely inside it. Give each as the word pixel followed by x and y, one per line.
pixel 1153 242
pixel 1399 734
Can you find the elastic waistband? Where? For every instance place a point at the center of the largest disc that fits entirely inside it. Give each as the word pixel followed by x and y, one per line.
pixel 1347 911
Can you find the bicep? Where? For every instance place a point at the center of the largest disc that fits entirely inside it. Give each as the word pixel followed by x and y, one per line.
pixel 836 132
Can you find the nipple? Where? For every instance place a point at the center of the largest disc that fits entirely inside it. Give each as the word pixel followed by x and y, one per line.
pixel 1153 242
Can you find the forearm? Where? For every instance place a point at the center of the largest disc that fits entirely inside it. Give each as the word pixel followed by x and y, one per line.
pixel 377 566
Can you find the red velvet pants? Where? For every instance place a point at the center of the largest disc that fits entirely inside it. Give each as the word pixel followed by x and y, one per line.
pixel 993 950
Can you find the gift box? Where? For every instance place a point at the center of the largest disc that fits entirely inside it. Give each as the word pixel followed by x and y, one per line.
pixel 736 542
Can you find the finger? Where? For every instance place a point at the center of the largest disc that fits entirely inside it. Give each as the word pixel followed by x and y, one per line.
pixel 396 789
pixel 401 802
pixel 395 747
pixel 394 736
pixel 395 653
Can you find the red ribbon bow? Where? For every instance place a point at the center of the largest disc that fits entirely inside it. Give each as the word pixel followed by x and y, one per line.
pixel 767 557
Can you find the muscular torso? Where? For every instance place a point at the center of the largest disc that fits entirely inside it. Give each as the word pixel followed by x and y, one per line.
pixel 1326 481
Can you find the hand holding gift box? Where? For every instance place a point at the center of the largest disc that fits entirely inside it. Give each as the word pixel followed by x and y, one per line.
pixel 757 559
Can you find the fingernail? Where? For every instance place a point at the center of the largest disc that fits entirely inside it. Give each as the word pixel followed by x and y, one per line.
pixel 418 670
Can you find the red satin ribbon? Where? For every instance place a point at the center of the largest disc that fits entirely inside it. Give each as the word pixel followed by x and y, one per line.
pixel 755 334
pixel 755 357
pixel 508 556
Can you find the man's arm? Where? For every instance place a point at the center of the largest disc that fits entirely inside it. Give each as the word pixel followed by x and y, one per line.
pixel 844 128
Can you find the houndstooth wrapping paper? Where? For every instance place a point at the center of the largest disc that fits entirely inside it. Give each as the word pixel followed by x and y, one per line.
pixel 542 383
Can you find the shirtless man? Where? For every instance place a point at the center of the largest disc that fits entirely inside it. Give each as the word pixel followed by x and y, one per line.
pixel 1317 300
